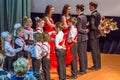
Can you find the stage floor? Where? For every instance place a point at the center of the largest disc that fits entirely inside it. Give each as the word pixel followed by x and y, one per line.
pixel 110 69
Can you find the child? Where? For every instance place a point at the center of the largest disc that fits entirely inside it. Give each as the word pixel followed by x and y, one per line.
pixel 28 33
pixel 46 54
pixel 36 52
pixel 9 51
pixel 20 42
pixel 3 74
pixel 39 25
pixel 17 25
pixel 20 69
pixel 72 36
pixel 60 51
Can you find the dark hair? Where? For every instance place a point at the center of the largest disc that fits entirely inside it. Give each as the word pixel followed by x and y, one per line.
pixel 47 10
pixel 46 36
pixel 80 6
pixel 93 3
pixel 59 25
pixel 38 37
pixel 73 20
pixel 64 11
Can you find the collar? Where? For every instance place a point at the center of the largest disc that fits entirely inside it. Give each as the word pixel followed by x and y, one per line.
pixel 94 11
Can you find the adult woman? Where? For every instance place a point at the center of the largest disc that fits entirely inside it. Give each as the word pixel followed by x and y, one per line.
pixel 49 27
pixel 66 13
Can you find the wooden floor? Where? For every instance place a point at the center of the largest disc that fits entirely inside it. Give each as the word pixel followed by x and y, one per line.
pixel 110 69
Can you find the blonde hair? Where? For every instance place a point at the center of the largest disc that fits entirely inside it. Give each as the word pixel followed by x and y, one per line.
pixel 38 37
pixel 19 30
pixel 20 66
pixel 73 20
pixel 38 21
pixel 4 35
pixel 25 20
pixel 46 36
pixel 1 59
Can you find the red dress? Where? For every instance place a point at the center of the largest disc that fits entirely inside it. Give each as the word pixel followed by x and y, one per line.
pixel 53 59
pixel 68 57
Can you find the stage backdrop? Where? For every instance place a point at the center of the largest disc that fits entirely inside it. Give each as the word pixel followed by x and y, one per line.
pixel 106 7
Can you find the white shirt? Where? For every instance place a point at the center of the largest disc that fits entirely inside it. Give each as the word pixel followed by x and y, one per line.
pixel 72 33
pixel 58 39
pixel 29 34
pixel 39 30
pixel 36 50
pixel 46 48
pixel 19 41
pixel 9 50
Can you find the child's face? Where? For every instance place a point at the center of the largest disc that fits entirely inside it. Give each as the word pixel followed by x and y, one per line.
pixel 57 29
pixel 69 23
pixel 41 24
pixel 29 22
pixel 8 38
pixel 21 33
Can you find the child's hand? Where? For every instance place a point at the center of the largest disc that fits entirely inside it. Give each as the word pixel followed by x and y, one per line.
pixel 23 47
pixel 87 24
pixel 64 47
pixel 87 30
pixel 48 56
pixel 75 40
pixel 40 57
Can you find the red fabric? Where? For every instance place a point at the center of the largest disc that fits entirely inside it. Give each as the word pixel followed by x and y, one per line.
pixel 71 44
pixel 62 42
pixel 22 39
pixel 53 58
pixel 68 57
pixel 47 27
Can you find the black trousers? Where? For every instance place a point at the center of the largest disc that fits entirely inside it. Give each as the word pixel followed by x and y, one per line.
pixel 60 53
pixel 36 63
pixel 74 60
pixel 46 67
pixel 9 63
pixel 94 44
pixel 82 54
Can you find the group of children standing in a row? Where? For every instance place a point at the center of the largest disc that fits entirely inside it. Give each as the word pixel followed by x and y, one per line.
pixel 37 47
pixel 51 45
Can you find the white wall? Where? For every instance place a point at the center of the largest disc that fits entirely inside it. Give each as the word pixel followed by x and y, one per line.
pixel 106 7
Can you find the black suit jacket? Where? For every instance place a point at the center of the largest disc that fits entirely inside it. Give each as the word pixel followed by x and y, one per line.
pixel 94 23
pixel 81 26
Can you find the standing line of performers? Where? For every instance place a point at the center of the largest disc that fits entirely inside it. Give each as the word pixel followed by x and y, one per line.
pixel 55 45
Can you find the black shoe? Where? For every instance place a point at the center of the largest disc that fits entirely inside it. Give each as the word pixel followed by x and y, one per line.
pixel 72 77
pixel 94 68
pixel 82 72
